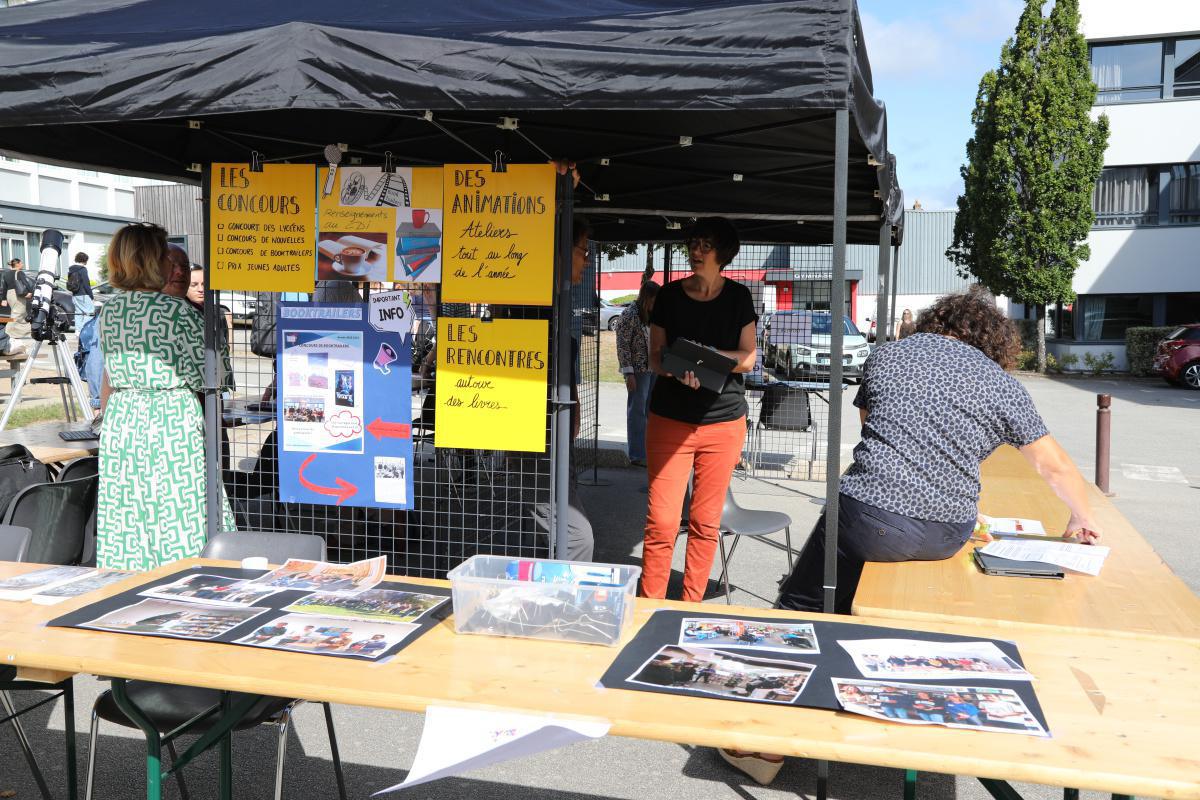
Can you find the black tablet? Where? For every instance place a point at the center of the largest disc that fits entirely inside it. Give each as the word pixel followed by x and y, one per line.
pixel 710 367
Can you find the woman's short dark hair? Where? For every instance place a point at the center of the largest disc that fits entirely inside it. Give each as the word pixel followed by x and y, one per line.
pixel 721 233
pixel 972 317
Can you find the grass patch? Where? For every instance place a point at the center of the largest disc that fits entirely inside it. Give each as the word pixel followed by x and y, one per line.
pixel 31 415
pixel 610 370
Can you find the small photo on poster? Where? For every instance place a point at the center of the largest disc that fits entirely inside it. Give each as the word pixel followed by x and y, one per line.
pixel 733 676
pixel 391 480
pixel 211 589
pixel 373 188
pixel 974 708
pixel 385 605
pixel 304 409
pixel 419 245
pixel 786 637
pixel 343 390
pixel 180 620
pixel 303 633
pixel 352 256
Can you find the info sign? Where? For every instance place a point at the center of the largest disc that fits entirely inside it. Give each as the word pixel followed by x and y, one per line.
pixel 498 244
pixel 344 410
pixel 262 227
pixel 491 383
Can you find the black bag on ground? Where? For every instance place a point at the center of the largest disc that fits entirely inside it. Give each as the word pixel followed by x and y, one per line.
pixel 18 469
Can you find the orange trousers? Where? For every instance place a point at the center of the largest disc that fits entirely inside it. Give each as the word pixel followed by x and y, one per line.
pixel 674 450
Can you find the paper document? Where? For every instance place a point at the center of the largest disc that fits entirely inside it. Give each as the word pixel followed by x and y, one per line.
pixel 1085 558
pixel 457 740
pixel 1013 526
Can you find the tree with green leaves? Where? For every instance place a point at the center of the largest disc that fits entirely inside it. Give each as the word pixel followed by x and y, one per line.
pixel 1026 207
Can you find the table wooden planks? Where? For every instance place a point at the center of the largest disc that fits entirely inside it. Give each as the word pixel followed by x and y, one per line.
pixel 43 441
pixel 1136 594
pixel 1123 720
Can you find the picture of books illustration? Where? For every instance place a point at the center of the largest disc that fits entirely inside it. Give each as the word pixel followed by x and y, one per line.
pixel 419 246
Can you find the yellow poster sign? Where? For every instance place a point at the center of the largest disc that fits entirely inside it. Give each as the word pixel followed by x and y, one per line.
pixel 380 226
pixel 261 234
pixel 499 239
pixel 491 383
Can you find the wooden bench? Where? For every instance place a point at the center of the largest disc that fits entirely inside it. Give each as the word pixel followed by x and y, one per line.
pixel 1136 594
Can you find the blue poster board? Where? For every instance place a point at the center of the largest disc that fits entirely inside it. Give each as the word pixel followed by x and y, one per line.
pixel 344 408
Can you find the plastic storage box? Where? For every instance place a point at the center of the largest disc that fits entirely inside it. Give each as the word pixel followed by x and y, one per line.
pixel 565 601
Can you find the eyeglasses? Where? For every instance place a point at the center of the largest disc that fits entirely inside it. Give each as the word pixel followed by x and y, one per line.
pixel 703 245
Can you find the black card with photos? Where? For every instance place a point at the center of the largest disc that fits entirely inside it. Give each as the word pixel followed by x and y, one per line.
pixel 664 627
pixel 266 623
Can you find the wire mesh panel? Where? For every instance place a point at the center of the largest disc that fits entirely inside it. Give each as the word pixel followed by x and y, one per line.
pixel 465 501
pixel 587 328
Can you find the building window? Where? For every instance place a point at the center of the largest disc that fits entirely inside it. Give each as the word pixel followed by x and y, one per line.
pixel 1125 72
pixel 1185 194
pixel 1126 196
pixel 1182 308
pixel 1106 317
pixel 1060 321
pixel 1187 68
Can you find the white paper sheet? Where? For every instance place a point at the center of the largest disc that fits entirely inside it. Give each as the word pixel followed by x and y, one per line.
pixel 1014 525
pixel 457 740
pixel 1085 558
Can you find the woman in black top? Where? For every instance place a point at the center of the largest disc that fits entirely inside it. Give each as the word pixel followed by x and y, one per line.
pixel 690 428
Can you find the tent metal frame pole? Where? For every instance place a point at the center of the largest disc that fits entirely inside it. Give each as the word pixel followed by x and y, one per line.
pixel 212 389
pixel 660 212
pixel 837 303
pixel 894 283
pixel 881 294
pixel 564 373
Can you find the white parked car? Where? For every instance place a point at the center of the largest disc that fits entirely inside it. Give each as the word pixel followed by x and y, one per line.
pixel 240 305
pixel 796 344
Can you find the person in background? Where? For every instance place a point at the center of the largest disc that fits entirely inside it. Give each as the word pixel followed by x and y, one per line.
pixel 633 356
pixel 79 284
pixel 18 288
pixel 195 296
pixel 907 326
pixel 151 504
pixel 692 429
pixel 7 346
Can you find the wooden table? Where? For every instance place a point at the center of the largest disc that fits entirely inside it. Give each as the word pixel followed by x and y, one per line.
pixel 1136 594
pixel 43 441
pixel 1123 719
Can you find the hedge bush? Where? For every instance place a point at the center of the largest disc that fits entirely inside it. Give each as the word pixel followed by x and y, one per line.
pixel 1140 346
pixel 1028 330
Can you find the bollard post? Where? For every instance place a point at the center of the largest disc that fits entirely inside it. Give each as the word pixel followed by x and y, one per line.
pixel 1103 440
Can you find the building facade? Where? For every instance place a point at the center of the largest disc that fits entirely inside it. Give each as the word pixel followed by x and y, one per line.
pixel 1144 267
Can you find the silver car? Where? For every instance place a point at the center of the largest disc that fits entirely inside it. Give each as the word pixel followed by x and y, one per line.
pixel 797 345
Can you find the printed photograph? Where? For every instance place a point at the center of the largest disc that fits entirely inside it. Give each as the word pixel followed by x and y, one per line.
pixel 785 637
pixel 324 576
pixel 391 485
pixel 180 620
pixel 976 708
pixel 343 387
pixel 212 589
pixel 76 588
pixel 303 633
pixel 727 675
pixel 309 409
pixel 40 578
pixel 913 658
pixel 352 256
pixel 382 604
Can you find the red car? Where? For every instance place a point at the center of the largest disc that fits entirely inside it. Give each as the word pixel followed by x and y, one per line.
pixel 1178 356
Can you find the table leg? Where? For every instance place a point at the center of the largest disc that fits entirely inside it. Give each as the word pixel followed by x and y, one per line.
pixel 69 724
pixel 226 790
pixel 910 784
pixel 153 745
pixel 822 780
pixel 1070 794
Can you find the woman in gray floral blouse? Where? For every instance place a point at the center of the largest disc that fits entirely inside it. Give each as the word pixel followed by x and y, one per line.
pixel 633 356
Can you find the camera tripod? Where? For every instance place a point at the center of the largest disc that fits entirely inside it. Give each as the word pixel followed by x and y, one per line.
pixel 67 374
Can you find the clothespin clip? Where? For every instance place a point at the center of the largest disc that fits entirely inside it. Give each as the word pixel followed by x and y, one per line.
pixel 500 162
pixel 485 313
pixel 256 161
pixel 389 166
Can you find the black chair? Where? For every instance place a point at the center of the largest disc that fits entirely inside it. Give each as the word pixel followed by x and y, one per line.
pixel 84 468
pixel 786 409
pixel 57 513
pixel 169 706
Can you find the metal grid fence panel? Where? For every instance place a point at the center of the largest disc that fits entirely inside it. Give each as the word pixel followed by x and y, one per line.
pixel 465 501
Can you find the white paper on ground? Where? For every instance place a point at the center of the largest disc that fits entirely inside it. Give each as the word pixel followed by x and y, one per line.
pixel 1086 558
pixel 1014 525
pixel 457 740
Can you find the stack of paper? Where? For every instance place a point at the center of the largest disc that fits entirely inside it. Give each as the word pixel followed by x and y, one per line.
pixel 1011 526
pixel 30 584
pixel 1085 558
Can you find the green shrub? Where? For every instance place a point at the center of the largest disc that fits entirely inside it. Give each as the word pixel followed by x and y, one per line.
pixel 1028 330
pixel 1140 345
pixel 1052 364
pixel 1027 360
pixel 1068 361
pixel 1099 364
pixel 624 299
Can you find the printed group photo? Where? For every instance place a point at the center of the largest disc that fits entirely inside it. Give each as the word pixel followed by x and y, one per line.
pixel 305 633
pixel 212 589
pixel 382 604
pixel 977 708
pixel 724 674
pixel 312 410
pixel 782 636
pixel 911 658
pixel 325 577
pixel 170 618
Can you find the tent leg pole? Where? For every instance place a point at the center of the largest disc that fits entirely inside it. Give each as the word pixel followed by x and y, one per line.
pixel 564 374
pixel 893 283
pixel 882 328
pixel 212 416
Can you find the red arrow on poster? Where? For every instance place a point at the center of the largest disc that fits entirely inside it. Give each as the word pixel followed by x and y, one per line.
pixel 343 492
pixel 395 430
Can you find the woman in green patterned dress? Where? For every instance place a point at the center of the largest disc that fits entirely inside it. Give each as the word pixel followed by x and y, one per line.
pixel 151 507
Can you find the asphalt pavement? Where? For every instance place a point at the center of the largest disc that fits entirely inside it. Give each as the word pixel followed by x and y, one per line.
pixel 1155 477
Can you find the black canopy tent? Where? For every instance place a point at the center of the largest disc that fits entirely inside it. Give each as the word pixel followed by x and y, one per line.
pixel 761 111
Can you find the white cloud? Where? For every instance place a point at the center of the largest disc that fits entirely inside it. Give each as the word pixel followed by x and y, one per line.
pixel 941 42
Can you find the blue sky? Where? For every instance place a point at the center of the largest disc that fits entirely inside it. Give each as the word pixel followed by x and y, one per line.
pixel 926 59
